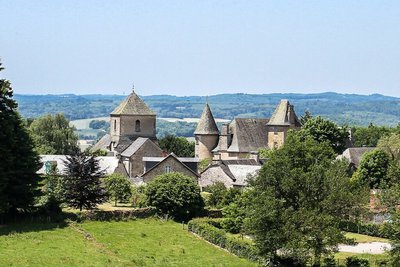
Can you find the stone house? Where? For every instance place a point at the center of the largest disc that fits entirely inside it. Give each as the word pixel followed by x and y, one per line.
pixel 233 173
pixel 155 166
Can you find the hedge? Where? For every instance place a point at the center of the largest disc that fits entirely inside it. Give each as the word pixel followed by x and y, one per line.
pixel 385 230
pixel 355 261
pixel 116 215
pixel 206 228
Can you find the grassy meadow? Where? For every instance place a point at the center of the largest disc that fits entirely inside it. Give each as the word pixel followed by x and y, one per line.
pixel 145 242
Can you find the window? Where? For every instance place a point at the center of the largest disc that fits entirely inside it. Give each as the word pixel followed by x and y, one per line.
pixel 115 125
pixel 197 140
pixel 137 126
pixel 168 169
pixel 275 133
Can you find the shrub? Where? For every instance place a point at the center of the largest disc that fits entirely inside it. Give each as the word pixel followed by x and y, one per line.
pixel 175 195
pixel 118 187
pixel 354 261
pixel 207 229
pixel 385 230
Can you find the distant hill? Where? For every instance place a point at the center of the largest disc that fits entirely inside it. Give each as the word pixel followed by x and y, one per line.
pixel 351 109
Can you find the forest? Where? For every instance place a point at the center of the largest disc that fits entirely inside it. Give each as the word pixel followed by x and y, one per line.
pixel 350 109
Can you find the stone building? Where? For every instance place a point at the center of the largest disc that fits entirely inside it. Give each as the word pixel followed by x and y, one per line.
pixel 206 134
pixel 155 166
pixel 242 136
pixel 132 135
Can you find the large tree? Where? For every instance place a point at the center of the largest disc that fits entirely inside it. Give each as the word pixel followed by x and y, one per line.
pixel 175 195
pixel 82 183
pixel 373 169
pixel 323 130
pixel 18 161
pixel 53 135
pixel 298 200
pixel 180 146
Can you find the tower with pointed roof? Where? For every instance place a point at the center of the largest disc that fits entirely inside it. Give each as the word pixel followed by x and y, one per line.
pixel 206 134
pixel 130 120
pixel 283 119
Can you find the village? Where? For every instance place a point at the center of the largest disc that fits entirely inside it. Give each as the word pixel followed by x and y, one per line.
pixel 200 133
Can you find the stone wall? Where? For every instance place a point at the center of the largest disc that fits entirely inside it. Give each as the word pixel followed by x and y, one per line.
pixel 149 149
pixel 204 145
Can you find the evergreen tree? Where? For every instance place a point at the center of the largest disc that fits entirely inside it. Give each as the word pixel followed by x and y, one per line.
pixel 82 184
pixel 18 161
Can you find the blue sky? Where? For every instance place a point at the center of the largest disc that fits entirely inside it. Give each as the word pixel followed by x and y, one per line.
pixel 201 47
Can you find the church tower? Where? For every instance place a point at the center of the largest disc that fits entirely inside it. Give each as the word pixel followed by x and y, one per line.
pixel 130 120
pixel 206 134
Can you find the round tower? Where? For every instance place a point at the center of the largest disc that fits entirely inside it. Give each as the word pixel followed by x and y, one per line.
pixel 206 135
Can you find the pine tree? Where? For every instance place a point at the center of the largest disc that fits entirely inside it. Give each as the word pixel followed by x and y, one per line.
pixel 82 184
pixel 18 161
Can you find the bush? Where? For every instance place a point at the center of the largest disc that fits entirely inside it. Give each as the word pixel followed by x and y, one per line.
pixel 175 195
pixel 207 229
pixel 118 187
pixel 385 230
pixel 354 261
pixel 138 198
pixel 115 215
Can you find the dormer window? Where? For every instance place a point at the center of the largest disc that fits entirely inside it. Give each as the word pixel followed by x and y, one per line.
pixel 137 126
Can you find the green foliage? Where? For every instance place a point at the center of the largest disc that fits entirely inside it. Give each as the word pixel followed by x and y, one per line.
pixel 373 169
pixel 138 196
pixel 265 153
pixel 298 200
pixel 175 195
pixel 18 161
pixel 98 124
pixel 53 135
pixel 218 191
pixel 384 230
pixel 204 163
pixel 52 192
pixel 368 136
pixel 306 117
pixel 96 153
pixel 180 146
pixel 82 185
pixel 235 213
pixel 391 145
pixel 355 261
pixel 118 187
pixel 323 130
pixel 241 248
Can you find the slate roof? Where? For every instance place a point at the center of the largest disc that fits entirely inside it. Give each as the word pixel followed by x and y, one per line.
pixel 283 115
pixel 230 172
pixel 132 105
pixel 134 147
pixel 207 123
pixel 103 144
pixel 355 154
pixel 248 134
pixel 169 156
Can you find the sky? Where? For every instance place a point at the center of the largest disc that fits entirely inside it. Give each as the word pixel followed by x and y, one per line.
pixel 201 47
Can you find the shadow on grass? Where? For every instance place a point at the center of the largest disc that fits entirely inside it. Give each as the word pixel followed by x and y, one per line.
pixel 33 223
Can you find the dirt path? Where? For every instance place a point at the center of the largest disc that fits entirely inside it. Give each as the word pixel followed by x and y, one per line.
pixel 370 248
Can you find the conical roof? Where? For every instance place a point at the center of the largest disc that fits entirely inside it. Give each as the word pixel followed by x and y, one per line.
pixel 207 123
pixel 284 115
pixel 132 105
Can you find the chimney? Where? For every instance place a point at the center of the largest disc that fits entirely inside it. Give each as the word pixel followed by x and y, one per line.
pixel 255 155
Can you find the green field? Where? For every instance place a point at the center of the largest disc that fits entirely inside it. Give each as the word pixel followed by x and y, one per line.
pixel 145 242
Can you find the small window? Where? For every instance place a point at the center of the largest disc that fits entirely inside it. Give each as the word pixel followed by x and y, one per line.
pixel 115 125
pixel 275 133
pixel 197 140
pixel 168 169
pixel 137 126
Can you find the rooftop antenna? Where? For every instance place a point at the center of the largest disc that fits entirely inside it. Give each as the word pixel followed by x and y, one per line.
pixel 133 87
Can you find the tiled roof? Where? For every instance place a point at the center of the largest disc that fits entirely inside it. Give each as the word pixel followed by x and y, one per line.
pixel 284 115
pixel 207 123
pixel 133 105
pixel 103 143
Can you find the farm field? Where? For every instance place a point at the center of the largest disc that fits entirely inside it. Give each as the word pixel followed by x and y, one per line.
pixel 145 242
